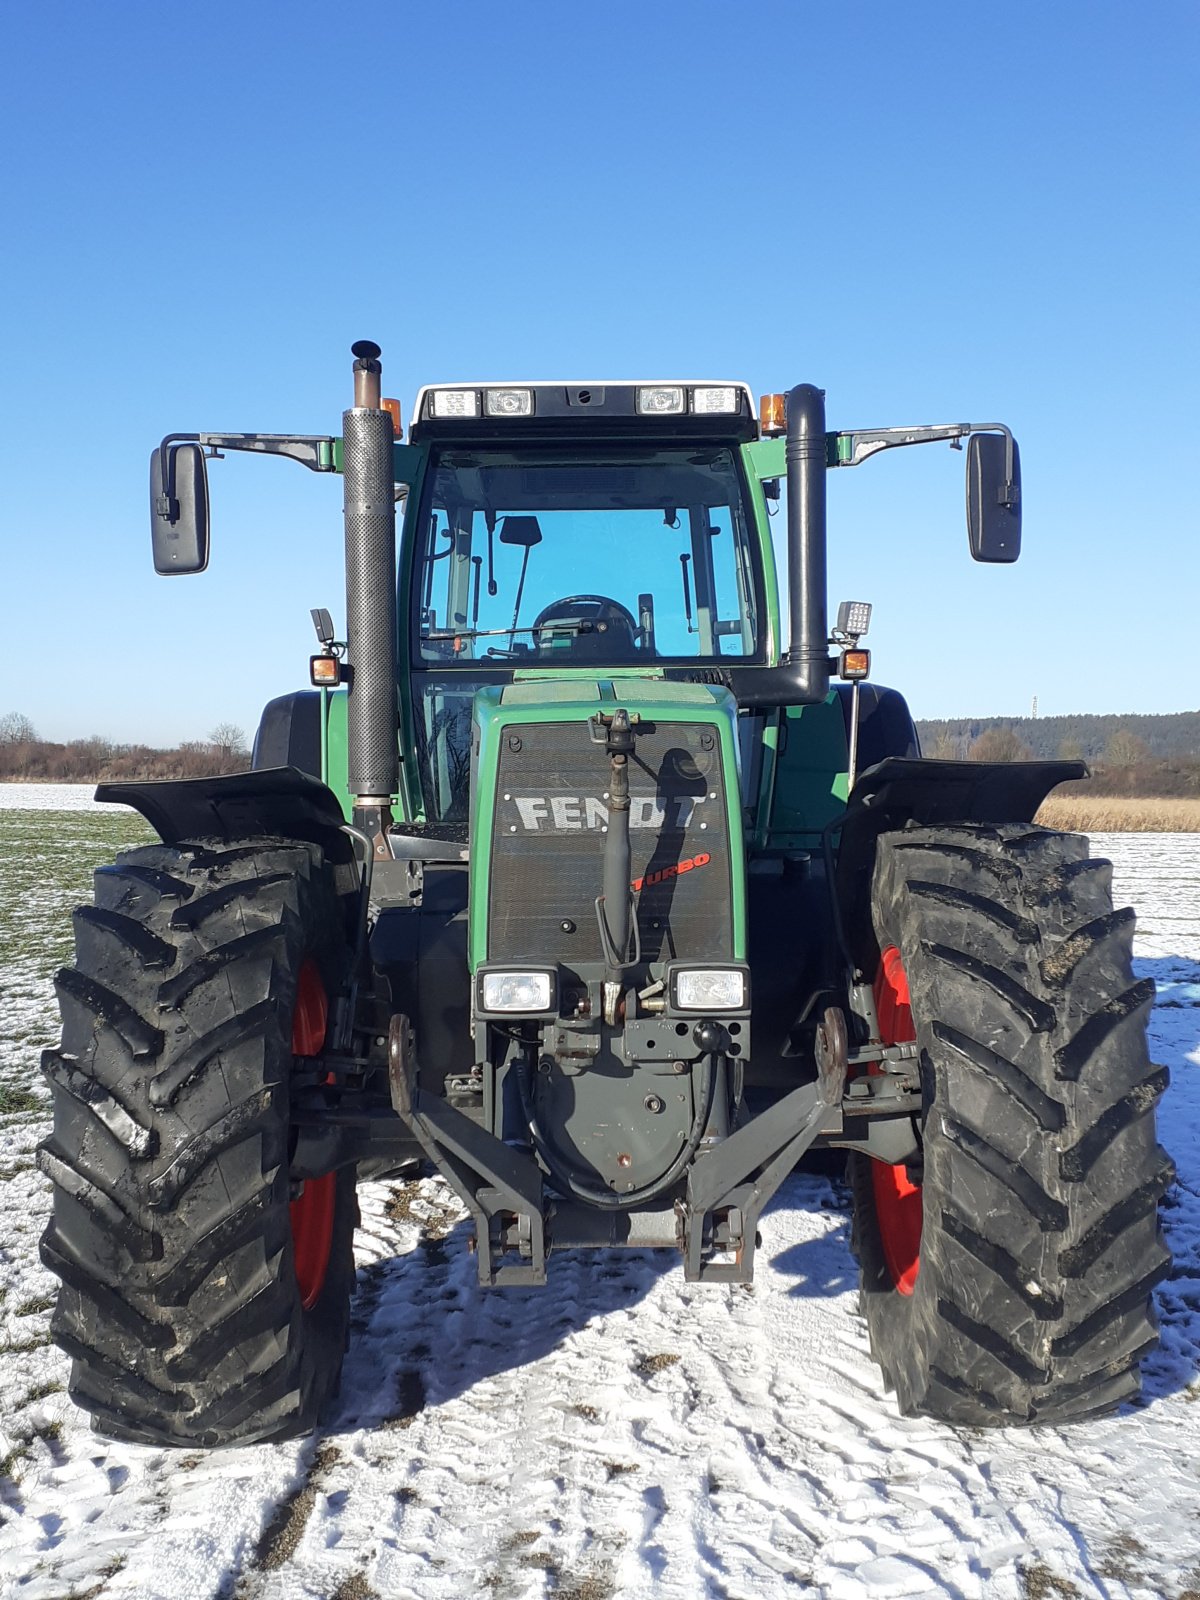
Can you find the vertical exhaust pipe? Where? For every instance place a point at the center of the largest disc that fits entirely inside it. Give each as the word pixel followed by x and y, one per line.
pixel 370 515
pixel 808 648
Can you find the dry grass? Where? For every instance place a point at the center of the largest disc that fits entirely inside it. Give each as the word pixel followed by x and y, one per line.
pixel 1119 814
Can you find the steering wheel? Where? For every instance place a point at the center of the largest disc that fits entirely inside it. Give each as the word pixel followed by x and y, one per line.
pixel 587 608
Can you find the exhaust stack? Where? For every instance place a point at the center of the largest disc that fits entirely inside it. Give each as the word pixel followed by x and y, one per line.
pixel 370 516
pixel 808 648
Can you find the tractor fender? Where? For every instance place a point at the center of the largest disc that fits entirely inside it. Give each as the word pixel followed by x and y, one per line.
pixel 885 724
pixel 279 802
pixel 289 733
pixel 901 790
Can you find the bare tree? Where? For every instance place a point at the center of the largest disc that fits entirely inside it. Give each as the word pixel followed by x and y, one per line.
pixel 228 740
pixel 948 746
pixel 999 744
pixel 16 728
pixel 1124 749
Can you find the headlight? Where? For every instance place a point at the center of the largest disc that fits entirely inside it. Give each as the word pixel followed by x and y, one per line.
pixel 661 400
pixel 715 400
pixel 509 402
pixel 709 989
pixel 516 991
pixel 455 402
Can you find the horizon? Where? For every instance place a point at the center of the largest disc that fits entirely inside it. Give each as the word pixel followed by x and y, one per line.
pixel 248 733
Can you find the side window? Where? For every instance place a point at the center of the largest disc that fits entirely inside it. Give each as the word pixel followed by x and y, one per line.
pixel 733 586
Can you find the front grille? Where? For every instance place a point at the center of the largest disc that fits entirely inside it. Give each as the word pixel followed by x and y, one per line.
pixel 548 846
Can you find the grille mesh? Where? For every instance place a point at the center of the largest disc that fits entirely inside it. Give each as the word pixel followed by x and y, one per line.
pixel 548 850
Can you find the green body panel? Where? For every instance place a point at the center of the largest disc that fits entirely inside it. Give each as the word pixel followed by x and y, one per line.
pixel 772 638
pixel 805 776
pixel 411 462
pixel 336 765
pixel 498 709
pixel 408 460
pixel 766 458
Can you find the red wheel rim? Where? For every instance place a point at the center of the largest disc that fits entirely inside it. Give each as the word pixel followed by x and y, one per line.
pixel 312 1213
pixel 899 1210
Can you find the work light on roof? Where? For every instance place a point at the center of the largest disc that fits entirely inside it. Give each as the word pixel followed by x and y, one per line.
pixel 509 402
pixel 455 403
pixel 661 400
pixel 714 400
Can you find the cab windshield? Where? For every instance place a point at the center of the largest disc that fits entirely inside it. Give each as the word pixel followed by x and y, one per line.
pixel 556 557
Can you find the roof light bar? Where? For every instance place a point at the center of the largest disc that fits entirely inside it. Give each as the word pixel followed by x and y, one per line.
pixel 454 402
pixel 509 402
pixel 716 401
pixel 661 400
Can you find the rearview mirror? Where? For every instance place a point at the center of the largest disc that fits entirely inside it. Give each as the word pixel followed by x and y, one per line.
pixel 520 530
pixel 993 497
pixel 179 511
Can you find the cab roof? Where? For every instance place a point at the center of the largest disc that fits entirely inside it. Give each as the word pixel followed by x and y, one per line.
pixel 641 409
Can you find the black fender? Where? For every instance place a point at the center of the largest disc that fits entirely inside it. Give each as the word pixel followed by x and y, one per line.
pixel 885 724
pixel 289 733
pixel 899 790
pixel 279 802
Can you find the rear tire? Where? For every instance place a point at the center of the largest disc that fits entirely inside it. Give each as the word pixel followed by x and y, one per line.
pixel 1038 1235
pixel 198 1305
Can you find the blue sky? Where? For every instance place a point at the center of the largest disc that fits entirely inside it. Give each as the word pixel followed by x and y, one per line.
pixel 936 213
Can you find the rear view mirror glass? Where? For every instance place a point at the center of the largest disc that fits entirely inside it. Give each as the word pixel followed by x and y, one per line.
pixel 520 530
pixel 993 498
pixel 179 512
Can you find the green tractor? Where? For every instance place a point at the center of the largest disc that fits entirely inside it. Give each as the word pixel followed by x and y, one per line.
pixel 576 879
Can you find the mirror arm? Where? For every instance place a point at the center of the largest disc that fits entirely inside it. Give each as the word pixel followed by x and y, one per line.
pixel 848 449
pixel 856 445
pixel 314 451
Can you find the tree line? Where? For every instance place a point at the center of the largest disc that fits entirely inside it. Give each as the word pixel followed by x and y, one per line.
pixel 1172 736
pixel 1124 765
pixel 26 757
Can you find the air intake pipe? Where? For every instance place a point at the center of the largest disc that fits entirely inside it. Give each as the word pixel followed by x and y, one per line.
pixel 370 514
pixel 808 648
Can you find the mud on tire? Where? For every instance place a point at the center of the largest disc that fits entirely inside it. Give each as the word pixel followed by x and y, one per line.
pixel 180 1302
pixel 1041 1175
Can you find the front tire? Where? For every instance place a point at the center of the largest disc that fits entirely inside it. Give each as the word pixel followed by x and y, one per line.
pixel 204 1301
pixel 1036 1246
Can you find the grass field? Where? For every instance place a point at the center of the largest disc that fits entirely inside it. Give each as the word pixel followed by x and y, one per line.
pixel 1119 814
pixel 48 858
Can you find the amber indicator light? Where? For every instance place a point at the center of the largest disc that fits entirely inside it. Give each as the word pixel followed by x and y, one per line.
pixel 325 671
pixel 772 418
pixel 392 407
pixel 856 664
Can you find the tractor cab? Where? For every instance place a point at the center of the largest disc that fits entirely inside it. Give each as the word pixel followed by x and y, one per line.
pixel 574 531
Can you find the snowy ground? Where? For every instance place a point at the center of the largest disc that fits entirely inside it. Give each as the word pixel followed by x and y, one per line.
pixel 49 797
pixel 620 1433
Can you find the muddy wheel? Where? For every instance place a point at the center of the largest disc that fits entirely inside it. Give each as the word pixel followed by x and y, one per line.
pixel 1006 1276
pixel 204 1299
